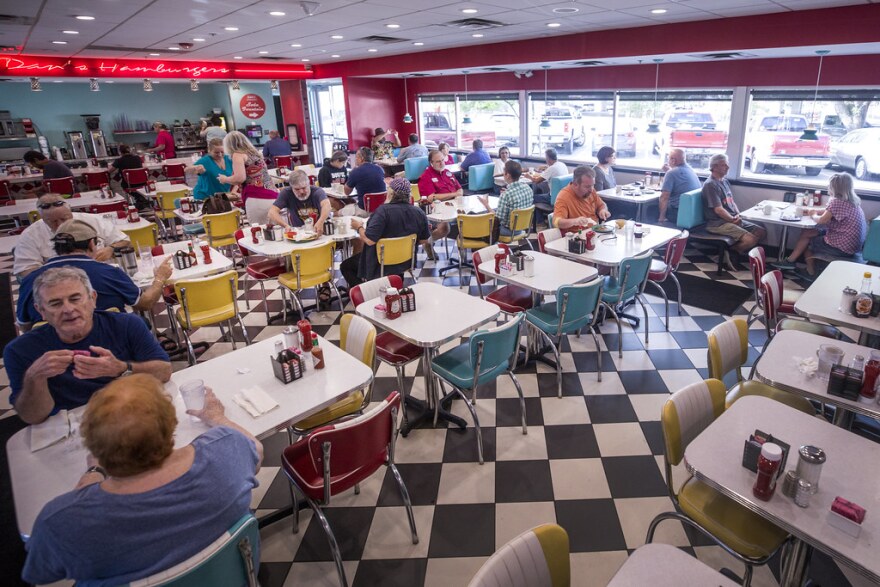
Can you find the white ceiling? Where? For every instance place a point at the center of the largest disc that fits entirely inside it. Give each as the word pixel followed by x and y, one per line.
pixel 136 28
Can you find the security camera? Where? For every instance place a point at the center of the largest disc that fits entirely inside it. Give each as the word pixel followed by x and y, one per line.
pixel 185 45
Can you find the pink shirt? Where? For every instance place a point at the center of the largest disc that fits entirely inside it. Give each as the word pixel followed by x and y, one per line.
pixel 164 138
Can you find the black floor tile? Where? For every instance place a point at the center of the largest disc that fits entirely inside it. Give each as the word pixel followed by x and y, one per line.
pixel 642 382
pixel 634 477
pixel 653 432
pixel 508 412
pixel 670 359
pixel 707 323
pixel 571 441
pixel 273 446
pixel 422 481
pixel 461 445
pixel 351 526
pixel 690 339
pixel 631 341
pixel 463 530
pixel 391 573
pixel 273 574
pixel 523 481
pixel 592 525
pixel 610 409
pixel 588 362
pixel 571 385
pixel 278 494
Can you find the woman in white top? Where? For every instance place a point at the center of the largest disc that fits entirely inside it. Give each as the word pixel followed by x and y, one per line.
pixel 498 172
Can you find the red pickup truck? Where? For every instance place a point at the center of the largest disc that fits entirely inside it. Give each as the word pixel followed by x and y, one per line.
pixel 436 129
pixel 695 133
pixel 775 140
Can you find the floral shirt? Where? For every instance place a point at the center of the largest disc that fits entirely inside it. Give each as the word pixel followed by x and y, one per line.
pixel 847 229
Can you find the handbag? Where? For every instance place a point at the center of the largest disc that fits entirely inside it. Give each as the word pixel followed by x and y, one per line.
pixel 217 204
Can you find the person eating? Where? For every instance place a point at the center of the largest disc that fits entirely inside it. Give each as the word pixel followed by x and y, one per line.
pixel 301 201
pixel 578 205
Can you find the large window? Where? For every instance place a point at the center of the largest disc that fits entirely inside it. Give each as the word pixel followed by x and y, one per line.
pixel 847 138
pixel 575 124
pixel 493 118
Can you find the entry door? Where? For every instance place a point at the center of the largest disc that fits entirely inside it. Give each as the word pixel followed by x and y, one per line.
pixel 327 112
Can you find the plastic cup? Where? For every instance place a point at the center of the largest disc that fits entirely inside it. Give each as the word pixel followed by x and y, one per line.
pixel 193 394
pixel 828 355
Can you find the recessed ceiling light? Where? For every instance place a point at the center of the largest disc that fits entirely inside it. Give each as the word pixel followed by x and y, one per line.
pixel 70 32
pixel 477 35
pixel 392 26
pixel 296 45
pixel 336 56
pixel 263 52
pixel 554 25
pixel 58 81
pixel 174 48
pixel 277 13
pixel 469 10
pixel 305 60
pixel 230 28
pixel 372 50
pixel 85 18
pixel 109 81
pixel 199 40
pixel 155 54
pixel 418 43
pixel 337 37
pixel 59 42
pixel 658 11
pixel 566 10
pixel 237 57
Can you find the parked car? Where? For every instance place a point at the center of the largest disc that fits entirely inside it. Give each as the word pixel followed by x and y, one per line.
pixel 599 129
pixel 775 140
pixel 858 151
pixel 506 129
pixel 566 129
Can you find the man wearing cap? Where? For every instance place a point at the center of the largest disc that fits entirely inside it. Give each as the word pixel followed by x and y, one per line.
pixel 382 147
pixel 75 245
pixel 396 218
pixel 35 246
pixel 60 365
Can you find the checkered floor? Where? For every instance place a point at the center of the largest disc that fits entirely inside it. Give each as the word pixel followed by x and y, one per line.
pixel 592 462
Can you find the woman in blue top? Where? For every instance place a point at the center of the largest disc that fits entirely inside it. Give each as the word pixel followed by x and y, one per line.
pixel 209 167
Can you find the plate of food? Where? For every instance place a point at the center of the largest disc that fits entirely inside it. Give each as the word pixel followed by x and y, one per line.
pixel 790 218
pixel 648 192
pixel 603 229
pixel 299 236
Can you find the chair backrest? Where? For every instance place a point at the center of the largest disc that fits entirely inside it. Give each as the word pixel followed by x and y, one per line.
pixel 61 185
pixel 871 250
pixel 690 209
pixel 758 266
pixel 414 193
pixel 215 294
pixel 632 273
pixel 536 558
pixel 220 227
pixel 283 161
pixel 174 170
pixel 373 201
pixel 232 559
pixel 5 192
pixel 576 305
pixel 728 345
pixel 556 185
pixel 169 201
pixel 480 177
pixel 103 208
pixel 547 236
pixel 521 219
pixel 370 289
pixel 357 337
pixel 482 256
pixel 475 226
pixel 500 348
pixel 393 251
pixel 145 236
pixel 135 177
pixel 95 179
pixel 687 413
pixel 675 250
pixel 771 295
pixel 313 262
pixel 239 234
pixel 414 167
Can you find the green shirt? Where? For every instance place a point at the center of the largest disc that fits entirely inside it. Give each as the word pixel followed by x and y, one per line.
pixel 517 195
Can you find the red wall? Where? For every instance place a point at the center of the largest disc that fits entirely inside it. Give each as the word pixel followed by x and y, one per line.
pixel 372 102
pixel 292 100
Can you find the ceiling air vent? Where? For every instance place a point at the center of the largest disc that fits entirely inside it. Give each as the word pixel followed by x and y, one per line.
pixel 419 75
pixel 19 20
pixel 474 24
pixel 591 63
pixel 495 69
pixel 382 39
pixel 272 58
pixel 725 55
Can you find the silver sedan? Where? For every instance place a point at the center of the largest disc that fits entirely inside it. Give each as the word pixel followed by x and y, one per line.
pixel 859 151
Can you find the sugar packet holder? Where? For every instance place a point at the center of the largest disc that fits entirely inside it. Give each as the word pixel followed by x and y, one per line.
pixel 846 516
pixel 288 366
pixel 182 260
pixel 752 450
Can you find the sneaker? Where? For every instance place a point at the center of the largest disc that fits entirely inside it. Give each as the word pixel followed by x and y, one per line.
pixel 784 265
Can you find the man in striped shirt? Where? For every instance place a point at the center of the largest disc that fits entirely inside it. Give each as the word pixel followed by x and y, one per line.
pixel 515 196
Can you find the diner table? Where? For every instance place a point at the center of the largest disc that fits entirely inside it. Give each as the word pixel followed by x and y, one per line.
pixel 82 201
pixel 662 565
pixel 851 472
pixel 821 300
pixel 782 214
pixel 8 243
pixel 634 194
pixel 38 477
pixel 447 210
pixel 219 263
pixel 778 367
pixel 612 248
pixel 443 314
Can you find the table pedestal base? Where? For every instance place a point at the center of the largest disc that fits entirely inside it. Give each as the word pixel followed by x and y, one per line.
pixel 427 413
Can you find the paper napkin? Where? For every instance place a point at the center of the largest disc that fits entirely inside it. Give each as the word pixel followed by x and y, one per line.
pixel 255 401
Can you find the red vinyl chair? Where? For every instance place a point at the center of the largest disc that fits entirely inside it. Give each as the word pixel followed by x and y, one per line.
pixel 174 172
pixel 135 178
pixel 510 298
pixel 660 270
pixel 5 190
pixel 337 457
pixel 758 267
pixel 548 236
pixel 373 201
pixel 104 208
pixel 62 185
pixel 95 179
pixel 771 294
pixel 283 161
pixel 259 269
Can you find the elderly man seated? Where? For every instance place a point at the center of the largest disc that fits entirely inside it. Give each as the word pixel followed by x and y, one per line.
pixel 80 350
pixel 578 205
pixel 76 245
pixel 143 506
pixel 35 245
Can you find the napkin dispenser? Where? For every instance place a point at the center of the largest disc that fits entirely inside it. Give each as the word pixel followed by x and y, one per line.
pixel 752 450
pixel 577 246
pixel 287 366
pixel 182 260
pixel 518 260
pixel 273 233
pixel 845 382
pixel 407 300
pixel 329 227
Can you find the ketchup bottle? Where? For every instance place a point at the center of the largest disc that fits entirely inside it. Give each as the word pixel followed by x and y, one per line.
pixel 392 304
pixel 501 254
pixel 768 465
pixel 305 332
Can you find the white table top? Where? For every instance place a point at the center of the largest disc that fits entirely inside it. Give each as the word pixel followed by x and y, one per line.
pixel 610 251
pixel 442 314
pixel 284 247
pixel 550 273
pixel 7 243
pixel 636 195
pixel 756 214
pixel 188 217
pixel 85 199
pixel 778 367
pixel 447 211
pixel 851 472
pixel 123 224
pixel 662 565
pixel 41 476
pixel 822 299
pixel 337 191
pixel 219 263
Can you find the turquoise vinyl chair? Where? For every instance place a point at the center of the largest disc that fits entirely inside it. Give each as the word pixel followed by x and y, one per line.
pixel 485 356
pixel 628 284
pixel 690 217
pixel 871 250
pixel 414 167
pixel 193 227
pixel 232 559
pixel 556 185
pixel 480 178
pixel 576 306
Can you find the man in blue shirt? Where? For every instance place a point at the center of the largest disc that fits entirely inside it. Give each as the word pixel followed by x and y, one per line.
pixel 60 365
pixel 476 157
pixel 366 178
pixel 301 201
pixel 680 178
pixel 415 149
pixel 276 146
pixel 76 245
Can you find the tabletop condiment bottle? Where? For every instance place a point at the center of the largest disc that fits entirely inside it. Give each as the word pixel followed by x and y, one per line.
pixel 857 363
pixel 133 215
pixel 392 303
pixel 768 465
pixel 864 301
pixel 305 334
pixel 279 348
pixel 317 352
pixel 868 392
pixel 192 253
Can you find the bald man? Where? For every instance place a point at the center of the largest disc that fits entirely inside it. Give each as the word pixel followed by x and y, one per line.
pixel 680 178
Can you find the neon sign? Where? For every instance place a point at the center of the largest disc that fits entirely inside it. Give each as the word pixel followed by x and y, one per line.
pixel 25 66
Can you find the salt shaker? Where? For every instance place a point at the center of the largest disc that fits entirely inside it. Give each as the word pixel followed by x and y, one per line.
pixel 809 467
pixel 803 493
pixel 291 338
pixel 846 301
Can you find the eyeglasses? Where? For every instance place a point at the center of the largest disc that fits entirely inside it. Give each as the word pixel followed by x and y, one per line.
pixel 51 205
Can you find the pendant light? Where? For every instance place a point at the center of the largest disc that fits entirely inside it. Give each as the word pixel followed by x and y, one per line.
pixel 235 85
pixel 148 85
pixel 545 120
pixel 194 85
pixel 654 125
pixel 810 133
pixel 407 118
pixel 93 85
pixel 35 85
pixel 467 117
pixel 273 85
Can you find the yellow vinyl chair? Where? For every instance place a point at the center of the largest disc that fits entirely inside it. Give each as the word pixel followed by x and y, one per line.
pixel 728 351
pixel 414 193
pixel 520 223
pixel 208 301
pixel 166 203
pixel 220 229
pixel 145 236
pixel 536 558
pixel 312 267
pixel 744 534
pixel 474 233
pixel 393 251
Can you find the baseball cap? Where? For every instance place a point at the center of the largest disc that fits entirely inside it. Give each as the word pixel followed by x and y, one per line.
pixel 79 230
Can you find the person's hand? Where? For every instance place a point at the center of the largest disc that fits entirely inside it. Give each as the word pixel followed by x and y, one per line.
pixel 50 364
pixel 104 364
pixel 104 254
pixel 431 199
pixel 356 224
pixel 604 214
pixel 212 413
pixel 163 271
pixel 199 169
pixel 484 200
pixel 223 178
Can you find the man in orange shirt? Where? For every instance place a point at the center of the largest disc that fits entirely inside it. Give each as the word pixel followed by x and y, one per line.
pixel 578 204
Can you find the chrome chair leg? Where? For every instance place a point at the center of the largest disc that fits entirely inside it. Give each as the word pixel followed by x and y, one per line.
pixel 522 401
pixel 400 377
pixel 407 502
pixel 231 333
pixel 665 301
pixel 331 538
pixel 619 329
pixel 247 339
pixel 473 411
pixel 598 352
pixel 677 288
pixel 265 301
pixel 247 300
pixel 645 311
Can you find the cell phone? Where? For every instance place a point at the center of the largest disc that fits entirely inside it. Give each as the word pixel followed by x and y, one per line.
pixel 83 353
